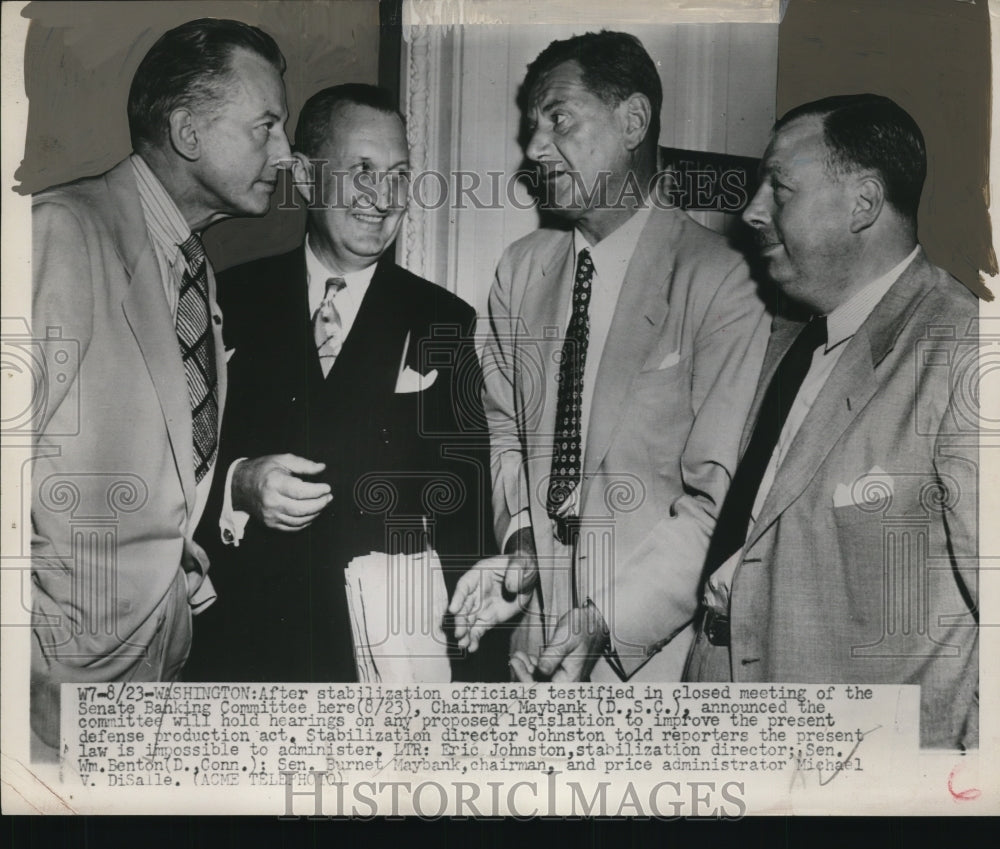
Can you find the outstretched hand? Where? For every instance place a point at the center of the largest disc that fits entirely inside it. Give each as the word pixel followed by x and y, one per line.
pixel 494 591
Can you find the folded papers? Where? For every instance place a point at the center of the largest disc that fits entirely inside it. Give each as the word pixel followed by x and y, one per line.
pixel 397 604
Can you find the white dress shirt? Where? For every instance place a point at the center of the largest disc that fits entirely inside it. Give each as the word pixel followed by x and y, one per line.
pixel 610 257
pixel 232 523
pixel 841 325
pixel 167 231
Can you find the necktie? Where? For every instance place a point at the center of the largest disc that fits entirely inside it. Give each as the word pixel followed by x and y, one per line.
pixel 198 353
pixel 567 450
pixel 327 328
pixel 734 518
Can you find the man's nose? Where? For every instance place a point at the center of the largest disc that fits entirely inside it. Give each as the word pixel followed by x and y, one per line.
pixel 539 144
pixel 757 214
pixel 281 151
pixel 384 198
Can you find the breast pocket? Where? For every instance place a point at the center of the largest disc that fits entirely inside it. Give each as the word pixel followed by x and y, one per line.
pixel 660 410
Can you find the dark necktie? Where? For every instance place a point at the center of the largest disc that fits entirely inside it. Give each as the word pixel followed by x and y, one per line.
pixel 194 333
pixel 566 449
pixel 734 518
pixel 327 328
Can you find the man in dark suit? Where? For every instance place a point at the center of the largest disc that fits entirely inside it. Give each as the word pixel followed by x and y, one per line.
pixel 846 550
pixel 354 421
pixel 130 427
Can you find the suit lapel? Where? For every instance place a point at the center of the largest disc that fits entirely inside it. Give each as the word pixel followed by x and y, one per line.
pixel 221 368
pixel 544 309
pixel 642 308
pixel 296 341
pixel 148 315
pixel 849 388
pixel 545 306
pixel 372 349
pixel 783 333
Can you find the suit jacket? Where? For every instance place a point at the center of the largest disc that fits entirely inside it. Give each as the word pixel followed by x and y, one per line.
pixel 113 488
pixel 862 564
pixel 685 344
pixel 392 460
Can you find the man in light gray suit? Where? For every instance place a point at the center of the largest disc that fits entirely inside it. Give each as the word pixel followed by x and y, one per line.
pixel 130 429
pixel 620 363
pixel 846 548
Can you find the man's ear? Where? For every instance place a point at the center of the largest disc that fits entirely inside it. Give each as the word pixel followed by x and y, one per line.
pixel 303 176
pixel 869 198
pixel 638 115
pixel 183 134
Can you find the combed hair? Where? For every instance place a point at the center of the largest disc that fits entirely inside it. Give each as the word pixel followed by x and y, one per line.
pixel 613 65
pixel 313 128
pixel 187 67
pixel 870 132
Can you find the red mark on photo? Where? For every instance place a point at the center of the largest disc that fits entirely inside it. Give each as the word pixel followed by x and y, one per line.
pixel 961 795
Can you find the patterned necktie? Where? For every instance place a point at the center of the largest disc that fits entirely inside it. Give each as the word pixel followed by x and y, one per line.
pixel 566 449
pixel 194 333
pixel 734 519
pixel 327 329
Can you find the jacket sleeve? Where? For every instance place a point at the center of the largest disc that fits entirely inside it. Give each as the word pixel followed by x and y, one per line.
pixel 654 594
pixel 956 464
pixel 507 458
pixel 62 297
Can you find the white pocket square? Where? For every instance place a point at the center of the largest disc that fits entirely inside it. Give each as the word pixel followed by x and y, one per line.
pixel 413 381
pixel 229 353
pixel 870 490
pixel 669 360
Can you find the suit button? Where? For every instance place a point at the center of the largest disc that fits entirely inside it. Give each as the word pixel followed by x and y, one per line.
pixel 360 513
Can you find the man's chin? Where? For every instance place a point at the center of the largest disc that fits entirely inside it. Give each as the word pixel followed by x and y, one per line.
pixel 254 207
pixel 565 211
pixel 779 270
pixel 368 250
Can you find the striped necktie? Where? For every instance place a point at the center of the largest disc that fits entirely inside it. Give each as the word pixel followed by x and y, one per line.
pixel 327 328
pixel 194 333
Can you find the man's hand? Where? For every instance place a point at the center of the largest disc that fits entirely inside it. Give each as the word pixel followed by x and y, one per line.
pixel 494 590
pixel 577 644
pixel 270 489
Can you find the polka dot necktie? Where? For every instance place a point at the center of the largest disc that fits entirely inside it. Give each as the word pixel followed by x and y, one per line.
pixel 566 450
pixel 198 353
pixel 327 328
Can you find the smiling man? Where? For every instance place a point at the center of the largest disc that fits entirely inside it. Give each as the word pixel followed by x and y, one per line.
pixel 620 363
pixel 131 425
pixel 846 549
pixel 354 421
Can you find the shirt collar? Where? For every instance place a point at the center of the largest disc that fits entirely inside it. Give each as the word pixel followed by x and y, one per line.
pixel 612 254
pixel 164 221
pixel 845 320
pixel 356 282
